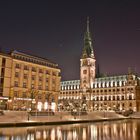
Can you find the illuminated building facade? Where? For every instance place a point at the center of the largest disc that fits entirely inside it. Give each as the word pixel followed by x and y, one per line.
pixel 28 82
pixel 104 93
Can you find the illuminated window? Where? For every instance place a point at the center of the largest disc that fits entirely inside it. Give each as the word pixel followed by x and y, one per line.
pixel 40 87
pixel 32 86
pixel 40 71
pixel 33 77
pixel 33 69
pixel 24 95
pixel 16 74
pixel 47 79
pixel 15 93
pixel 25 76
pixel 16 83
pixel 24 85
pixel 53 81
pixel 54 74
pixel 40 78
pixel 47 72
pixel 17 65
pixel 26 67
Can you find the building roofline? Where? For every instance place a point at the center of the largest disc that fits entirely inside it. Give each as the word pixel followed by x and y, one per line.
pixel 31 55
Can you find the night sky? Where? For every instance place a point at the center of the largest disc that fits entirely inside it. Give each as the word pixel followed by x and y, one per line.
pixel 55 30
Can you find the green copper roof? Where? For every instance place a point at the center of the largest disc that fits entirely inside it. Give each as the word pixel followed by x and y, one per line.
pixel 88 49
pixel 101 80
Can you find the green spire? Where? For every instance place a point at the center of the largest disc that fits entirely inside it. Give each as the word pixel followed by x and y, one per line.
pixel 88 24
pixel 88 49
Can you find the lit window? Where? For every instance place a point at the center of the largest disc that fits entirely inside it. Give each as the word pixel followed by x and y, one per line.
pixel 32 86
pixel 25 76
pixel 40 78
pixel 33 77
pixel 33 69
pixel 24 95
pixel 17 66
pixel 39 87
pixel 47 72
pixel 40 71
pixel 24 85
pixel 15 93
pixel 54 73
pixel 16 74
pixel 26 67
pixel 16 84
pixel 47 88
pixel 47 80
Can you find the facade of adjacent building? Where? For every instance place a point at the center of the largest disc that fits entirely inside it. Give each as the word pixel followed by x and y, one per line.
pixel 28 82
pixel 120 92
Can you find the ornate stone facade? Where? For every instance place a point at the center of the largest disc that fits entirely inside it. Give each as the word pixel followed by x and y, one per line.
pixel 120 92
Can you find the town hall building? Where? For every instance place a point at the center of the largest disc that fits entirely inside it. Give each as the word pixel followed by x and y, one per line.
pixel 121 92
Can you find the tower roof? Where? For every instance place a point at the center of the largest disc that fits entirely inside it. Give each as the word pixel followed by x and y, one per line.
pixel 88 49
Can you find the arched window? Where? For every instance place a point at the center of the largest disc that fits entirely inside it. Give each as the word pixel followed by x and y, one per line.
pixel 113 97
pixel 118 84
pixel 101 98
pixel 109 84
pixel 130 97
pixel 113 84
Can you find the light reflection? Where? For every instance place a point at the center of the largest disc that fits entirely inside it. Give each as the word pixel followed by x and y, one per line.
pixel 53 134
pixel 59 134
pixel 118 130
pixel 44 135
pixel 69 136
pixel 38 134
pixel 84 133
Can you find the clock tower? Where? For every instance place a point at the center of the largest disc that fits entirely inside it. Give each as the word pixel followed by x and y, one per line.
pixel 87 63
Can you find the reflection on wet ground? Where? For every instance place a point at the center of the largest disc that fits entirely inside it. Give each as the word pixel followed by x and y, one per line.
pixel 115 130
